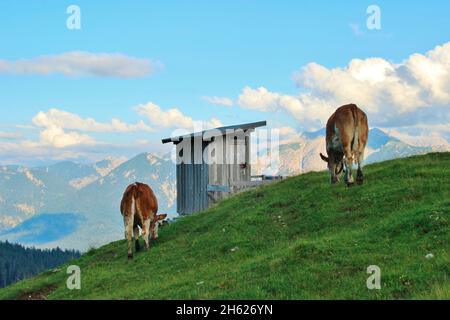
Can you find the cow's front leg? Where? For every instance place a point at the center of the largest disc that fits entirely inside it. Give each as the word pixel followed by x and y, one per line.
pixel 146 233
pixel 348 161
pixel 136 238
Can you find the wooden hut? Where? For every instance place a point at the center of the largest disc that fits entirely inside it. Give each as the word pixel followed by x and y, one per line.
pixel 212 164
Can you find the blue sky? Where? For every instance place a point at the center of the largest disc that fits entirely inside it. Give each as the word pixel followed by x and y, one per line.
pixel 207 49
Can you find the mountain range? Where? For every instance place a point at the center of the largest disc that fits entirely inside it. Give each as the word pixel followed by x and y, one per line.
pixel 84 199
pixel 76 206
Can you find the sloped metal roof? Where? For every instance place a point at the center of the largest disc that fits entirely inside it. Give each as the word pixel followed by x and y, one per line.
pixel 214 132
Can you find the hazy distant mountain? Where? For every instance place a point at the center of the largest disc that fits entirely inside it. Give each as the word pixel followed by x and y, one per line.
pixel 385 147
pixel 314 134
pixel 395 149
pixel 378 138
pixel 105 194
pixel 44 228
pixel 50 198
pixel 25 192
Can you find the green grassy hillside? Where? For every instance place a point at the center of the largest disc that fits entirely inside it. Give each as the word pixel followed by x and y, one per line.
pixel 300 238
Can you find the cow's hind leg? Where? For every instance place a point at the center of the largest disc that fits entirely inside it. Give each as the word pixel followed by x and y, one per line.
pixel 359 174
pixel 128 221
pixel 348 162
pixel 146 233
pixel 136 238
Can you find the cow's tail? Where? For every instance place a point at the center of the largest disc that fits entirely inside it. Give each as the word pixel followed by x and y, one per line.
pixel 355 142
pixel 128 205
pixel 356 139
pixel 133 206
pixel 134 198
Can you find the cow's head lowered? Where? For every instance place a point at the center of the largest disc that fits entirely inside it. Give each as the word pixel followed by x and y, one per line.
pixel 335 165
pixel 154 226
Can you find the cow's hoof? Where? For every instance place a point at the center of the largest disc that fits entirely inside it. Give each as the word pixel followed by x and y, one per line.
pixel 359 178
pixel 350 184
pixel 138 246
pixel 130 256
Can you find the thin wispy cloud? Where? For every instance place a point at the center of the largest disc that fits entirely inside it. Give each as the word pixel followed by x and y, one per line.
pixel 28 152
pixel 356 29
pixel 220 101
pixel 422 139
pixel 80 63
pixel 10 135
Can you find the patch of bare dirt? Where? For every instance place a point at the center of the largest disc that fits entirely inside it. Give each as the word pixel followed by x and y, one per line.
pixel 39 294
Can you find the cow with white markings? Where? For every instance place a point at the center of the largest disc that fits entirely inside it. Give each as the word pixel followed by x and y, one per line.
pixel 139 208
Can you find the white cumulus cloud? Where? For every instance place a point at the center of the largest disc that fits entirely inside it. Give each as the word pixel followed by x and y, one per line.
pixel 415 91
pixel 56 137
pixel 307 108
pixel 67 120
pixel 173 118
pixel 61 129
pixel 384 89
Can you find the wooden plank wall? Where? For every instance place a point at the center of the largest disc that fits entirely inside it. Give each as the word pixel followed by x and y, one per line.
pixel 193 179
pixel 226 174
pixel 192 182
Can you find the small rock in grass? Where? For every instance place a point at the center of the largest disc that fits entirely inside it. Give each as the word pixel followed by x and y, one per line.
pixel 429 256
pixel 234 249
pixel 200 283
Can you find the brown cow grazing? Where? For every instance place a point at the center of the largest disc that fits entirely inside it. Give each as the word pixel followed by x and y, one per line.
pixel 139 208
pixel 347 133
